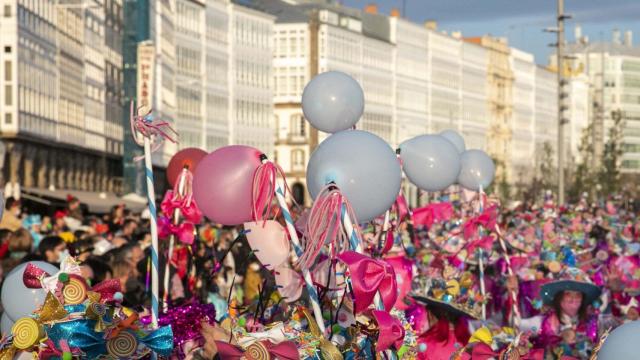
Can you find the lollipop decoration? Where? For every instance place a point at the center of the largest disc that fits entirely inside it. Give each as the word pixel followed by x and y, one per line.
pixel 151 129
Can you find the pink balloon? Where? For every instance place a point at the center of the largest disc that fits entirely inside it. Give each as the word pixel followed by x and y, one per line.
pixel 404 275
pixel 290 283
pixel 269 241
pixel 223 184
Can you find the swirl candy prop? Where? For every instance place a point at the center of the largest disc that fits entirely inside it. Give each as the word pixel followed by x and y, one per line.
pixel 122 346
pixel 27 332
pixel 75 290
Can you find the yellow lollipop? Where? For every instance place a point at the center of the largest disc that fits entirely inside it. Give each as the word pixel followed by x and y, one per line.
pixel 75 290
pixel 26 332
pixel 453 287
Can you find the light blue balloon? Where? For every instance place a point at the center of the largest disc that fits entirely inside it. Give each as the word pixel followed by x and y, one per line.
pixel 622 343
pixel 477 170
pixel 455 138
pixel 363 167
pixel 19 301
pixel 431 162
pixel 5 324
pixel 333 101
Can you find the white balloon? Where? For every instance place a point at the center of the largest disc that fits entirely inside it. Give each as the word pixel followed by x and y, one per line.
pixel 622 343
pixel 17 299
pixel 431 162
pixel 477 171
pixel 455 138
pixel 333 101
pixel 363 167
pixel 6 323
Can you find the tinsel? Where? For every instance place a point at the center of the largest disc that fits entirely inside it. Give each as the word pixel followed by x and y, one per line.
pixel 186 322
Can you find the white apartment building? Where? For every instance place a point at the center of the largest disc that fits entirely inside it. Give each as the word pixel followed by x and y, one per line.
pixel 217 75
pixel 162 34
pixel 190 40
pixel 223 75
pixel 523 126
pixel 474 120
pixel 444 81
pixel 545 111
pixel 251 109
pixel 412 73
pixel 611 71
pixel 54 94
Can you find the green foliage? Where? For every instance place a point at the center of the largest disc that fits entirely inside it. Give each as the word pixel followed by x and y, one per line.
pixel 609 174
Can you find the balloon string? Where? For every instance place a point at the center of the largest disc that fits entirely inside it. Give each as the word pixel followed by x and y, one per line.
pixel 264 188
pixel 324 224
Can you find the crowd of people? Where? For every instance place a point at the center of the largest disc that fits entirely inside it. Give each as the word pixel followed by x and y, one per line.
pixel 560 276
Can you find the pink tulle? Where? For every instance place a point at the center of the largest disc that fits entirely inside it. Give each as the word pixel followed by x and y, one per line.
pixel 324 226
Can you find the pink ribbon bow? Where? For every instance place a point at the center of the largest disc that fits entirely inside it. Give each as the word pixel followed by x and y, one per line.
pixel 187 205
pixel 391 331
pixel 149 127
pixel 432 213
pixel 369 276
pixel 485 243
pixel 183 231
pixel 487 220
pixel 286 350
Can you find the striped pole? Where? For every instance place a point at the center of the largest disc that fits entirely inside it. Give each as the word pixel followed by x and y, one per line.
pixel 482 286
pixel 514 297
pixel 151 196
pixel 313 293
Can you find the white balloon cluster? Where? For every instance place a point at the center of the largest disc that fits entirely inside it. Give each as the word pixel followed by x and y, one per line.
pixel 365 168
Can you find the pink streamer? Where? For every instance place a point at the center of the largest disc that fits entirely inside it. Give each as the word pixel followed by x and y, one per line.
pixel 325 225
pixel 148 127
pixel 264 189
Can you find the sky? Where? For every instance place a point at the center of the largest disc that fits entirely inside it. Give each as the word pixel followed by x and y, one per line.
pixel 521 21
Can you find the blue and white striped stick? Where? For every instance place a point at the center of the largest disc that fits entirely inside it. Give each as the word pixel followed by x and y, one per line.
pixel 151 196
pixel 313 293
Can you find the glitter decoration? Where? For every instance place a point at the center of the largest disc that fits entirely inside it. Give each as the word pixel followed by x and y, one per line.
pixel 26 332
pixel 185 321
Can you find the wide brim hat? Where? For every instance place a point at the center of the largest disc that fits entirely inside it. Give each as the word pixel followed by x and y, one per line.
pixel 445 306
pixel 570 279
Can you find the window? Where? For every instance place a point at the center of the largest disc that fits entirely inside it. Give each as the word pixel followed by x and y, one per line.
pixel 7 70
pixel 7 49
pixel 297 160
pixel 8 118
pixel 8 95
pixel 7 11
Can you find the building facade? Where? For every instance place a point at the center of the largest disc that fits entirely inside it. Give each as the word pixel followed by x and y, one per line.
pixel 251 110
pixel 55 95
pixel 609 73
